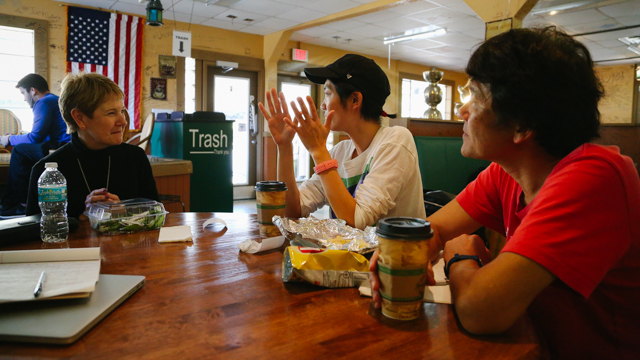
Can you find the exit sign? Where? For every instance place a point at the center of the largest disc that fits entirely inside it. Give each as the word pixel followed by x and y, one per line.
pixel 299 55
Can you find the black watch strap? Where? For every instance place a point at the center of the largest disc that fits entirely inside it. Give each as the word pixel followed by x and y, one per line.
pixel 458 257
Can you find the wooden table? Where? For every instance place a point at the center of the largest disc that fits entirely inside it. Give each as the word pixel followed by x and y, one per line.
pixel 207 300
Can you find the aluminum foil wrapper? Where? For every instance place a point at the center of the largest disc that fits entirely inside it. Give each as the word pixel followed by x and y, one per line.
pixel 332 234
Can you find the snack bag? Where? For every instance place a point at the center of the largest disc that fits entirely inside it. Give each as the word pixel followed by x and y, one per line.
pixel 322 267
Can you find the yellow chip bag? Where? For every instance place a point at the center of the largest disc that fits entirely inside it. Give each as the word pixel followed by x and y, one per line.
pixel 328 268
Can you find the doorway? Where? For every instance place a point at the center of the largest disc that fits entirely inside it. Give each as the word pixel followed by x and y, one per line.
pixel 235 93
pixel 294 87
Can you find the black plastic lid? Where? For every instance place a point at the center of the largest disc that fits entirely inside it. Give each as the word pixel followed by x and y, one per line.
pixel 270 186
pixel 404 228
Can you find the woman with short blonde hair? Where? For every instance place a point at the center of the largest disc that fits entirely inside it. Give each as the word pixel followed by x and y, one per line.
pixel 98 166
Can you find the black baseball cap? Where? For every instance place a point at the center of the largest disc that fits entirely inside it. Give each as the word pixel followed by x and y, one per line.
pixel 361 72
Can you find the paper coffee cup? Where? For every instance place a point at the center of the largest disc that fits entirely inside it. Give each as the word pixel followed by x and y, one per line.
pixel 403 265
pixel 271 197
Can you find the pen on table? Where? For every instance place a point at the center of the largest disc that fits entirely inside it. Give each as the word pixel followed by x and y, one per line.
pixel 38 289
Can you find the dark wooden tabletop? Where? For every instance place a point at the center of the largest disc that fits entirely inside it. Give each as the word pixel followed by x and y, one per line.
pixel 206 299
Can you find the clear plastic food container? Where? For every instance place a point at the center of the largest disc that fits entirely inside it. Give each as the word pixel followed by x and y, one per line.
pixel 127 216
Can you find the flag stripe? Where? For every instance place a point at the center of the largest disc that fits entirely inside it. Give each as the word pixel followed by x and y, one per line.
pixel 109 44
pixel 138 81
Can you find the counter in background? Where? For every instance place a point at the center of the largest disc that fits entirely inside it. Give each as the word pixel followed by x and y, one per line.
pixel 173 177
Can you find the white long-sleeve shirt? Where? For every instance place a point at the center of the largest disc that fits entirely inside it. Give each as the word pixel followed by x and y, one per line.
pixel 385 178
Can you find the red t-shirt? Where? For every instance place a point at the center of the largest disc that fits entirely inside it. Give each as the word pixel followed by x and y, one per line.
pixel 584 227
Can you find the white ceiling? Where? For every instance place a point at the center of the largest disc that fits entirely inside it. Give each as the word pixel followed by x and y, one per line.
pixel 364 34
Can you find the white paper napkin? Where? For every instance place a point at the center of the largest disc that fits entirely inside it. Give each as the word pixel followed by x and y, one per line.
pixel 251 247
pixel 175 234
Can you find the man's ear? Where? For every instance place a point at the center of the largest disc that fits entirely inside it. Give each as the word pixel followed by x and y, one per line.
pixel 355 100
pixel 521 135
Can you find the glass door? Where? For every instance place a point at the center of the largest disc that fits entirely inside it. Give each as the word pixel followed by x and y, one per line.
pixel 234 93
pixel 293 88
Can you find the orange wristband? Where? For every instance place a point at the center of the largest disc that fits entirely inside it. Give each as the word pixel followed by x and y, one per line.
pixel 322 167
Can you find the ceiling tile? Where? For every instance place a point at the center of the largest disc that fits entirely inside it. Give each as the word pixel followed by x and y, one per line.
pixel 275 23
pixel 240 15
pixel 577 17
pixel 377 17
pixel 457 39
pixel 612 35
pixel 438 16
pixel 466 24
pixel 132 2
pixel 129 8
pixel 611 43
pixel 401 24
pixel 370 30
pixel 343 37
pixel 622 9
pixel 200 9
pixel 591 26
pixel 186 18
pixel 344 24
pixel 331 6
pixel 264 7
pixel 225 24
pixel 629 20
pixel 476 34
pixel 414 7
pixel 301 15
pixel 295 2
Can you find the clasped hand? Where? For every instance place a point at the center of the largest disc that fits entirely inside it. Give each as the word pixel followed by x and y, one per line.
pixel 99 195
pixel 306 124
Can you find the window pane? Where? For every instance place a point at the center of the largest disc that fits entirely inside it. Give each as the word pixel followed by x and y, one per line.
pixel 414 104
pixel 17 59
pixel 190 85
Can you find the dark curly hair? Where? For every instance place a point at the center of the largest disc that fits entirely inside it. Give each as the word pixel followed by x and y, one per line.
pixel 541 80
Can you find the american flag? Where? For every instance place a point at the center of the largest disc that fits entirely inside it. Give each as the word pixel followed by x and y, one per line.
pixel 110 44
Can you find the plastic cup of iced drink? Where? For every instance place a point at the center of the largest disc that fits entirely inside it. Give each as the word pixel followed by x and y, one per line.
pixel 403 265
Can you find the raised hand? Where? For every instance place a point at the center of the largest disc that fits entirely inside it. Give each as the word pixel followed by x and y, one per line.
pixel 311 131
pixel 276 117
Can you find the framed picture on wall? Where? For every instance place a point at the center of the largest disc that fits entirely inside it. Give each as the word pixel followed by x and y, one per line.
pixel 158 89
pixel 167 65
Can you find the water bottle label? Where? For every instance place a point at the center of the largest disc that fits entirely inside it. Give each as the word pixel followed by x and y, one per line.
pixel 52 194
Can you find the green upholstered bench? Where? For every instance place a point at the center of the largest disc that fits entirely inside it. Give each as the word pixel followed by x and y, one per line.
pixel 442 166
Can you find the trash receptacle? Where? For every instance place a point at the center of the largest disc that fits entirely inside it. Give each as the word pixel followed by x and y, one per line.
pixel 206 139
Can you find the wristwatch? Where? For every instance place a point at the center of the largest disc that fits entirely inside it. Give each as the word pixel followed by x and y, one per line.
pixel 324 166
pixel 458 257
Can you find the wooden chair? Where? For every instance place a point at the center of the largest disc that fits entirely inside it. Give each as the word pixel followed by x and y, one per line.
pixel 144 137
pixel 9 124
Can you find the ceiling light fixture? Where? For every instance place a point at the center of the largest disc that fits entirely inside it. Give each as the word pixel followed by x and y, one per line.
pixel 154 13
pixel 633 42
pixel 415 34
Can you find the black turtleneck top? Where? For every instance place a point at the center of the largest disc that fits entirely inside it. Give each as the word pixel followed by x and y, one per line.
pixel 130 175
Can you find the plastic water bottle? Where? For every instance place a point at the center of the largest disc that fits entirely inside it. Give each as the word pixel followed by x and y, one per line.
pixel 52 198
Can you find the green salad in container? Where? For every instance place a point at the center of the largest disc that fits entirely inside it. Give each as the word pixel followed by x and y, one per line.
pixel 126 216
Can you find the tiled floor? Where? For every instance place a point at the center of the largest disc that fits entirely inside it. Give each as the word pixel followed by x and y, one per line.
pixel 249 207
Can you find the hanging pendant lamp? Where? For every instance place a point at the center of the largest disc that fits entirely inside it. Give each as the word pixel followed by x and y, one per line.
pixel 154 13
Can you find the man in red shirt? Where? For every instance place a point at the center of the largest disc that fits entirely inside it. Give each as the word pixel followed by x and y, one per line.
pixel 569 209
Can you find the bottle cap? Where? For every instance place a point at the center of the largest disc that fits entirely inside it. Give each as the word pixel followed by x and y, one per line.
pixel 270 186
pixel 404 228
pixel 51 165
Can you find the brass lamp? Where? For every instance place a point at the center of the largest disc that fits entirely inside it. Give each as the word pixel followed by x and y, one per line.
pixel 154 13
